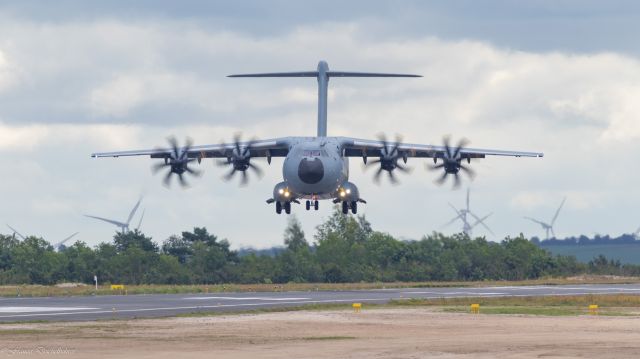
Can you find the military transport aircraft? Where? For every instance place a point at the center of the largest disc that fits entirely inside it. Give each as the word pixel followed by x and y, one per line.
pixel 316 168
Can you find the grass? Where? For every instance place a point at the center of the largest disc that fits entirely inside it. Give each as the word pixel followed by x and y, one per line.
pixel 47 291
pixel 617 304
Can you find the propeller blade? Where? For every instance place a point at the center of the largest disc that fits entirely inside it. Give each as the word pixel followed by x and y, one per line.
pixel 456 183
pixel 403 168
pixel 158 167
pixel 376 177
pixel 245 178
pixel 196 173
pixel 256 170
pixel 461 144
pixel 471 173
pixel 447 148
pixel 392 177
pixel 441 180
pixel 167 179
pixel 183 182
pixel 230 175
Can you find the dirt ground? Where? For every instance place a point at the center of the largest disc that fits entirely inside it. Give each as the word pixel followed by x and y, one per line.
pixel 375 333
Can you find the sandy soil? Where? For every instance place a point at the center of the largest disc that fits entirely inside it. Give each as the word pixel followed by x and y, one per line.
pixel 379 333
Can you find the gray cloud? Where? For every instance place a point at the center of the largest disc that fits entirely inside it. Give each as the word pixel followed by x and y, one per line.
pixel 102 80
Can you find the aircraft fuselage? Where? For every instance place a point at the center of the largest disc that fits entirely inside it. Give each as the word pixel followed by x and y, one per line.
pixel 315 169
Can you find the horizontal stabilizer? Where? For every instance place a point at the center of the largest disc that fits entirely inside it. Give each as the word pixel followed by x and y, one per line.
pixel 366 74
pixel 329 74
pixel 280 74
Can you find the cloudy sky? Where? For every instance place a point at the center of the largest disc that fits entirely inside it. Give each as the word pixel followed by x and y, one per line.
pixel 560 77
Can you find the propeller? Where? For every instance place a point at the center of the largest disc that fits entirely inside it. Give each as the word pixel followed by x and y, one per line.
pixel 177 162
pixel 388 160
pixel 239 158
pixel 452 163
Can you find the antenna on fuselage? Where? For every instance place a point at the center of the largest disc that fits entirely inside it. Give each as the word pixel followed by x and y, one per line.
pixel 323 74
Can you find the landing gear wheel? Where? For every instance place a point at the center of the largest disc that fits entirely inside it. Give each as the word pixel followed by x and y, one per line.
pixel 308 204
pixel 354 207
pixel 287 207
pixel 315 205
pixel 345 208
pixel 278 207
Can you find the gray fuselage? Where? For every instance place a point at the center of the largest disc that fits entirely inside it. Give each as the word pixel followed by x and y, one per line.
pixel 315 168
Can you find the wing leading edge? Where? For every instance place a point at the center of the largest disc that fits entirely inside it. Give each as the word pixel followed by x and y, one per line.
pixel 278 147
pixel 372 148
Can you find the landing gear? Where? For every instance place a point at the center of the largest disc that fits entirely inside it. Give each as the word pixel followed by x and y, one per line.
pixel 286 206
pixel 346 205
pixel 315 204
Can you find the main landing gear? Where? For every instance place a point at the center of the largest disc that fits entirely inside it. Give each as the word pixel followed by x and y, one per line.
pixel 353 205
pixel 315 205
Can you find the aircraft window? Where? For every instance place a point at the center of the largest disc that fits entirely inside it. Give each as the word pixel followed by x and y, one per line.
pixel 314 153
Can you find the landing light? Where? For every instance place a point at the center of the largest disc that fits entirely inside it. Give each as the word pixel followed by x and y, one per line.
pixel 342 193
pixel 281 191
pixel 286 194
pixel 348 191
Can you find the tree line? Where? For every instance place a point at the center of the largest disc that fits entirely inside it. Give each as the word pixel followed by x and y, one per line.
pixel 344 249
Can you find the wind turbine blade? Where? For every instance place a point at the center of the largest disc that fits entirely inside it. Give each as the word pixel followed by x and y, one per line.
pixel 480 221
pixel 141 218
pixel 454 209
pixel 637 232
pixel 536 221
pixel 16 232
pixel 119 224
pixel 453 220
pixel 65 240
pixel 133 211
pixel 553 221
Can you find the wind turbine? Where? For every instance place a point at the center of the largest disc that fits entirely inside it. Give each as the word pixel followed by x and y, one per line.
pixel 57 246
pixel 548 227
pixel 461 214
pixel 124 226
pixel 16 232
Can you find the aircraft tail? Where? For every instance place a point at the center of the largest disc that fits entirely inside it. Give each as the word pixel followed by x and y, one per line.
pixel 323 74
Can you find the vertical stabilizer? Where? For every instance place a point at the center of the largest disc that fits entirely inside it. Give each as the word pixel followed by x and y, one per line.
pixel 322 75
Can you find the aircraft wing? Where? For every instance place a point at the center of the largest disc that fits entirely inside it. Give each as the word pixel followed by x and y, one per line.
pixel 278 147
pixel 372 148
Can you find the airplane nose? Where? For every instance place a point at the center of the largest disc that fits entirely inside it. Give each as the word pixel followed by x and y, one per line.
pixel 311 171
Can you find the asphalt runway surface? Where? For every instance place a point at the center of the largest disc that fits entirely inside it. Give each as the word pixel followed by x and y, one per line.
pixel 162 305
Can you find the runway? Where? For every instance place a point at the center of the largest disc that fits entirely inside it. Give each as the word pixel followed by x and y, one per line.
pixel 161 305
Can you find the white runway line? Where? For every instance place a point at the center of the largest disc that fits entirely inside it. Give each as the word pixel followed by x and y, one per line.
pixel 40 309
pixel 247 298
pixel 458 293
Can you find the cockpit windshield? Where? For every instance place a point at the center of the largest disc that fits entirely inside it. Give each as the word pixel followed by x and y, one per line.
pixel 312 153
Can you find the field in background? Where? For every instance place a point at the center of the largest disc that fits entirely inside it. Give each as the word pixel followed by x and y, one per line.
pixel 625 253
pixel 82 289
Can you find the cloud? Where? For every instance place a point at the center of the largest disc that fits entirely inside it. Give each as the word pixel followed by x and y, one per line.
pixel 110 84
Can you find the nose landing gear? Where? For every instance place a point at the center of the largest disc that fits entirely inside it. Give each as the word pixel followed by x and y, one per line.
pixel 349 205
pixel 280 206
